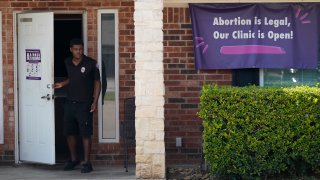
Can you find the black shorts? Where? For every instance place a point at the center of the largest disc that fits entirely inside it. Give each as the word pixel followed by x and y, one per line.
pixel 77 118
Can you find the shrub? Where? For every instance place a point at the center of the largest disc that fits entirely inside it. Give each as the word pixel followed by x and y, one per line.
pixel 253 131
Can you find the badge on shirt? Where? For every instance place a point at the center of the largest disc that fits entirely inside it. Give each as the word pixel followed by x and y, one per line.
pixel 83 69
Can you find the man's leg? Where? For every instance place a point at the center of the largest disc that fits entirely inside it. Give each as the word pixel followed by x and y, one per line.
pixel 86 165
pixel 86 129
pixel 72 144
pixel 86 148
pixel 70 131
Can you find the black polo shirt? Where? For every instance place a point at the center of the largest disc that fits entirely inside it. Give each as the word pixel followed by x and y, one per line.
pixel 82 77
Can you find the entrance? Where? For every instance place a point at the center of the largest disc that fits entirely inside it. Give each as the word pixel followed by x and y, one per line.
pixel 42 46
pixel 66 27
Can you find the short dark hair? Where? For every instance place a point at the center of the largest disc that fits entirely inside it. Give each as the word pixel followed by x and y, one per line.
pixel 76 41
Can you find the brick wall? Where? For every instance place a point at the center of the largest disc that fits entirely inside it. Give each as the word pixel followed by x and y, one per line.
pixel 183 84
pixel 103 153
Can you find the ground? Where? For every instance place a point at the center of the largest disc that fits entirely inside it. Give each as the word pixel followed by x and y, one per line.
pixel 186 173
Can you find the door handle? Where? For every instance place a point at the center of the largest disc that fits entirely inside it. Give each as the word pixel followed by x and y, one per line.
pixel 46 97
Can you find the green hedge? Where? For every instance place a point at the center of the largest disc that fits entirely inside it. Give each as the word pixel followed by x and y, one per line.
pixel 256 132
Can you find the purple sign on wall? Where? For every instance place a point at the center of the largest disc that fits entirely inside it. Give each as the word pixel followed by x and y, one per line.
pixel 263 35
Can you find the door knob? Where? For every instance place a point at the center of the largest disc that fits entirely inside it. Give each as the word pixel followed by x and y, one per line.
pixel 46 97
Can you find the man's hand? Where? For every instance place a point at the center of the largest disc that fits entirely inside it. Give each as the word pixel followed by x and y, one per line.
pixel 61 84
pixel 93 107
pixel 96 93
pixel 58 85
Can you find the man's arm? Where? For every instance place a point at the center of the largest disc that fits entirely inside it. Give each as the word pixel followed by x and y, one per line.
pixel 61 84
pixel 96 93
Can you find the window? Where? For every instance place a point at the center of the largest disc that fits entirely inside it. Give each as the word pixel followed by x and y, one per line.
pixel 109 65
pixel 245 77
pixel 289 77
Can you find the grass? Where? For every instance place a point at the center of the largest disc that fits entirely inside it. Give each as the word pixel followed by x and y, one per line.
pixel 110 96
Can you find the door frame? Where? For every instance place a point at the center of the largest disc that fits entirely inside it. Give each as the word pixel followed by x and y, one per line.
pixel 15 64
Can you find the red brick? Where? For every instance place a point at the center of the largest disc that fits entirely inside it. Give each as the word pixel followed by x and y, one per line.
pixel 227 77
pixel 90 3
pixel 223 83
pixel 115 3
pixel 176 88
pixel 167 71
pixel 125 32
pixel 224 71
pixel 188 94
pixel 177 43
pixel 187 49
pixel 105 4
pixel 181 15
pixel 4 4
pixel 176 32
pixel 19 4
pixel 177 55
pixel 129 3
pixel 176 15
pixel 186 38
pixel 41 8
pixel 214 77
pixel 53 4
pixel 187 16
pixel 74 4
pixel 58 8
pixel 177 77
pixel 129 83
pixel 171 26
pixel 193 100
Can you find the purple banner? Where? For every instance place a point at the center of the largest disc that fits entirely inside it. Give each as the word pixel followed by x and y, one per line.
pixel 262 35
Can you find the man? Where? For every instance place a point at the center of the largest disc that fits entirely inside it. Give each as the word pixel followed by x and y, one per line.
pixel 83 89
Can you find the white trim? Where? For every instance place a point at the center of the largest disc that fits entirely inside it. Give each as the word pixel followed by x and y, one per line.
pixel 115 12
pixel 15 61
pixel 85 31
pixel 16 104
pixel 261 77
pixel 1 85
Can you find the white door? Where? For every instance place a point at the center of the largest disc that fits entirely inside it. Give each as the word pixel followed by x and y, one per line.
pixel 35 87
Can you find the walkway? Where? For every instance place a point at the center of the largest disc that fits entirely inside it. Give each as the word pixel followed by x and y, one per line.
pixel 56 172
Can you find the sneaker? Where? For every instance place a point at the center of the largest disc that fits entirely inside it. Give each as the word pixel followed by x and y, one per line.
pixel 86 168
pixel 70 165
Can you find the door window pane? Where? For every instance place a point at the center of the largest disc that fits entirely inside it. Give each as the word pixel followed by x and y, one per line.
pixel 108 63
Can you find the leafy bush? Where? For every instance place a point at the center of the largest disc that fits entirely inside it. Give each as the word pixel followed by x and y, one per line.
pixel 253 131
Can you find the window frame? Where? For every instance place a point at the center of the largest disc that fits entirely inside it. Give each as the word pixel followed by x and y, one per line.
pixel 261 77
pixel 100 111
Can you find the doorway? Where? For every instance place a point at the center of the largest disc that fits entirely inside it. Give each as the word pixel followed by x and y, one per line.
pixel 66 27
pixel 42 40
